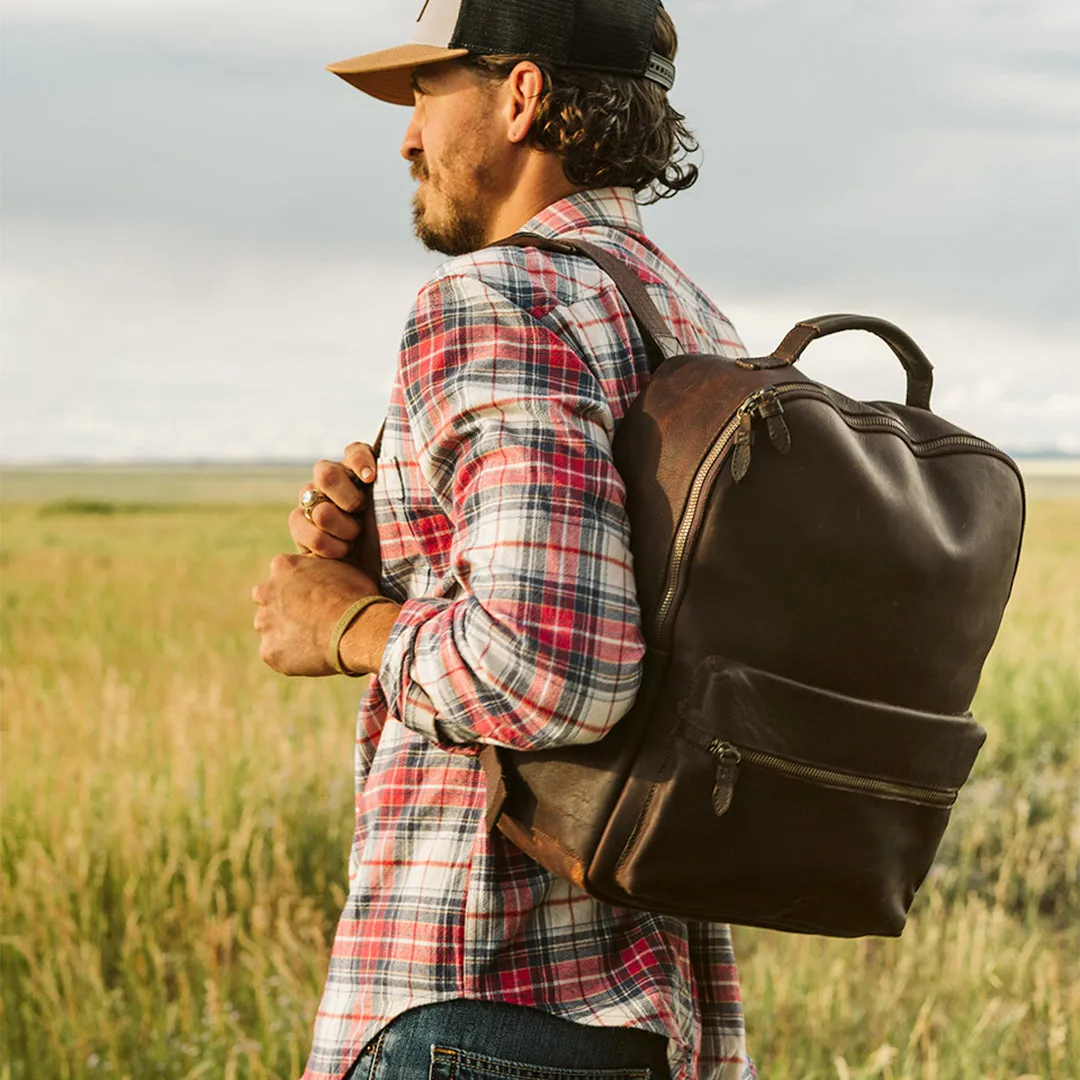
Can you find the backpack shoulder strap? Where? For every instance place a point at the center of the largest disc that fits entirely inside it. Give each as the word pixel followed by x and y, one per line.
pixel 660 342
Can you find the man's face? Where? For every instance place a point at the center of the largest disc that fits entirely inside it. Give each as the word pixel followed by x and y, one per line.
pixel 453 156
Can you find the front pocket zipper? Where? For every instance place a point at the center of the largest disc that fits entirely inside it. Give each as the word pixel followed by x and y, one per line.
pixel 729 758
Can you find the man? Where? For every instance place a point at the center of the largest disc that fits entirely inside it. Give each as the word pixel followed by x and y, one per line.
pixel 496 603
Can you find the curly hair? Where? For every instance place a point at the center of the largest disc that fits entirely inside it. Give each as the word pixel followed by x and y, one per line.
pixel 607 129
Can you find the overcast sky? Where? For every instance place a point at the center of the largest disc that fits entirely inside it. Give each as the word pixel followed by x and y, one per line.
pixel 206 243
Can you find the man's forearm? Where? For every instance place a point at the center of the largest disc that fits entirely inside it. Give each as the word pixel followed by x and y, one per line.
pixel 363 643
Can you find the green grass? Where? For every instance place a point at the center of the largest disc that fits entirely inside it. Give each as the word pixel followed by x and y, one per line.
pixel 176 821
pixel 135 486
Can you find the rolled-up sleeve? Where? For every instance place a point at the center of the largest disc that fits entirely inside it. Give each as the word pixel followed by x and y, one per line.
pixel 538 643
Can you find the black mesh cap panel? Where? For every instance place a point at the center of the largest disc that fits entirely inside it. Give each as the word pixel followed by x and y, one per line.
pixel 543 27
pixel 613 35
pixel 604 35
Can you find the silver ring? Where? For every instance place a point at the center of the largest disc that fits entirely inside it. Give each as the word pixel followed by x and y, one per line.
pixel 310 499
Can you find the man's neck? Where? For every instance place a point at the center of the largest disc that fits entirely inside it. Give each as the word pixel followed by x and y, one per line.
pixel 538 188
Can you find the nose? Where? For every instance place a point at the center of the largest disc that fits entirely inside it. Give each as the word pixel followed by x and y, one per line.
pixel 412 145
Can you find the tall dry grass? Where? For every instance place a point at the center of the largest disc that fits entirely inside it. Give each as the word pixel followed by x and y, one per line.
pixel 176 818
pixel 176 822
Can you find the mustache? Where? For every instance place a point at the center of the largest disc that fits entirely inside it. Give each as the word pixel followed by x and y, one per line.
pixel 418 168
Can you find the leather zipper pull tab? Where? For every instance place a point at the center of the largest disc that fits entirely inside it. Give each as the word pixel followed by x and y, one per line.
pixel 744 439
pixel 773 414
pixel 727 772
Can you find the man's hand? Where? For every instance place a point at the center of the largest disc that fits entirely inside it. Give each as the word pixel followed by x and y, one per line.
pixel 298 607
pixel 343 528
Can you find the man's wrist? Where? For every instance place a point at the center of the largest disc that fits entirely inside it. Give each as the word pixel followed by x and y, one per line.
pixel 362 645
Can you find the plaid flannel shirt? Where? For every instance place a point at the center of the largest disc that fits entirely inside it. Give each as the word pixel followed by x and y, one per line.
pixel 504 535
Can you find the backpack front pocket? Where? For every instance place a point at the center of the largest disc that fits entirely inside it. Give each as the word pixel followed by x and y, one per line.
pixel 792 807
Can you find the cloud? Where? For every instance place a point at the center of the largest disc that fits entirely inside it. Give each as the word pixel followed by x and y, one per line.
pixel 233 25
pixel 996 27
pixel 850 145
pixel 148 346
pixel 168 163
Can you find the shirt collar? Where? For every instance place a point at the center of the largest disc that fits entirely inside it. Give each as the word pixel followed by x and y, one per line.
pixel 606 207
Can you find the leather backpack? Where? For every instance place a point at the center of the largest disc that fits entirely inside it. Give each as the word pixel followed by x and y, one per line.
pixel 820 581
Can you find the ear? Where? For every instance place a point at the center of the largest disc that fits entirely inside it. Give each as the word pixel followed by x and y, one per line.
pixel 524 87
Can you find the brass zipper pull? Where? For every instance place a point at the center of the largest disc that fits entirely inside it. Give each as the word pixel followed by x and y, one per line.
pixel 727 772
pixel 766 405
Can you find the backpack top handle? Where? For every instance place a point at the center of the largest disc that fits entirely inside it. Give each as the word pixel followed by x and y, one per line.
pixel 920 372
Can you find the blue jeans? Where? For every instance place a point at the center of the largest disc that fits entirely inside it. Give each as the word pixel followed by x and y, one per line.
pixel 481 1040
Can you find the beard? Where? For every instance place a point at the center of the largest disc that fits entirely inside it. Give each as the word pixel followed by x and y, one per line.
pixel 461 225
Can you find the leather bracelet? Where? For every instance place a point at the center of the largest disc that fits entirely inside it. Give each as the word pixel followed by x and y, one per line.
pixel 351 614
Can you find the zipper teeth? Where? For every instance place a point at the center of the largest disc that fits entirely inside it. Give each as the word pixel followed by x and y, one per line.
pixel 687 522
pixel 957 440
pixel 939 797
pixel 724 439
pixel 876 420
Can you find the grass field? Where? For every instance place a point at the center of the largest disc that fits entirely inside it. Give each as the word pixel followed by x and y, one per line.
pixel 176 821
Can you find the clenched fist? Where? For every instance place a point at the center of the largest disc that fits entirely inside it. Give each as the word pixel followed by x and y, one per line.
pixel 298 606
pixel 343 527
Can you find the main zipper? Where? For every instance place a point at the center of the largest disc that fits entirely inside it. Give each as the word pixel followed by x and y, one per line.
pixel 738 426
pixel 729 757
pixel 678 548
pixel 765 404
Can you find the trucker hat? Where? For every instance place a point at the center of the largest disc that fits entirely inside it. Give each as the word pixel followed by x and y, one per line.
pixel 597 35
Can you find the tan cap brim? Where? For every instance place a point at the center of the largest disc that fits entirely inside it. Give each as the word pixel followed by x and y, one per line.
pixel 387 75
